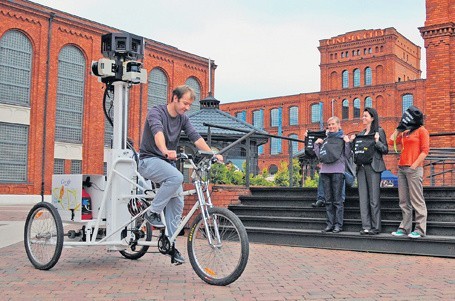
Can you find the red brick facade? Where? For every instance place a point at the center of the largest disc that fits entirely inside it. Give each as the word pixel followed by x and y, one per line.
pixel 439 36
pixel 43 25
pixel 394 63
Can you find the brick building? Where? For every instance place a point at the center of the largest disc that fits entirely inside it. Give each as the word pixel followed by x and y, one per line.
pixel 51 116
pixel 378 68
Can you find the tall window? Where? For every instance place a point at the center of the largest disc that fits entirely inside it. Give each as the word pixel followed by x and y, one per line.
pixel 13 152
pixel 345 79
pixel 241 115
pixel 70 95
pixel 295 144
pixel 293 116
pixel 258 122
pixel 275 146
pixel 274 118
pixel 356 108
pixel 15 68
pixel 196 106
pixel 157 88
pixel 368 102
pixel 368 76
pixel 407 101
pixel 315 113
pixel 356 78
pixel 345 109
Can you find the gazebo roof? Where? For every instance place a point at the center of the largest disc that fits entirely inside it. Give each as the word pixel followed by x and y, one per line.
pixel 215 116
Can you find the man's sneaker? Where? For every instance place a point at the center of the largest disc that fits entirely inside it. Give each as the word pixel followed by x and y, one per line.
pixel 177 257
pixel 154 219
pixel 399 232
pixel 414 234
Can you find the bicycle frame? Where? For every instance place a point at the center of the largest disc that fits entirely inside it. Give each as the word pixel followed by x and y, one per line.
pixel 203 201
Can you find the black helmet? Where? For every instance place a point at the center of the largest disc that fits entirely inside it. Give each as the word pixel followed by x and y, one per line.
pixel 412 119
pixel 136 206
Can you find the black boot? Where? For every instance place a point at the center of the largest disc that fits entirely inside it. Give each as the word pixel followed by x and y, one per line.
pixel 319 203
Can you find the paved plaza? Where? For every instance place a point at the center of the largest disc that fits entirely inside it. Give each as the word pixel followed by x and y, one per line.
pixel 272 273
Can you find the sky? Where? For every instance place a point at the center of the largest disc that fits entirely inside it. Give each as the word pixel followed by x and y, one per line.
pixel 263 48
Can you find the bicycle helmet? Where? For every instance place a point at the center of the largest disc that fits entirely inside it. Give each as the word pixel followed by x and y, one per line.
pixel 136 206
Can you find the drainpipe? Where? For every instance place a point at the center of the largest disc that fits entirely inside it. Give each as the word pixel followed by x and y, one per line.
pixel 43 160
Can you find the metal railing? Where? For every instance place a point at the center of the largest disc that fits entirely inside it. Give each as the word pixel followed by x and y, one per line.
pixel 439 164
pixel 246 137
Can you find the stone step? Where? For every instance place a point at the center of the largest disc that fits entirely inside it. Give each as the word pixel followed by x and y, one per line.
pixel 442 215
pixel 435 202
pixel 350 225
pixel 353 241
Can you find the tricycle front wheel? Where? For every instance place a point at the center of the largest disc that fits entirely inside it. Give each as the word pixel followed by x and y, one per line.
pixel 43 236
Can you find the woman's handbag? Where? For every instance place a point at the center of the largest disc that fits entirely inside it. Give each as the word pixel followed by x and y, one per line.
pixel 364 148
pixel 331 150
pixel 311 137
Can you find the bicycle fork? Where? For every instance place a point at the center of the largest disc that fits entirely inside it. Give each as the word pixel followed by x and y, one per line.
pixel 205 203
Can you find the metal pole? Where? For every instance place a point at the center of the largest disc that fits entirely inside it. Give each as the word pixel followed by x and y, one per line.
pixel 291 169
pixel 247 165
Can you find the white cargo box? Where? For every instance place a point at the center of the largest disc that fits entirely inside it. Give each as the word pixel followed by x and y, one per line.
pixel 67 195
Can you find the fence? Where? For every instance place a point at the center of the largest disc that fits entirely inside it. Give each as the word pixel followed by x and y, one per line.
pixel 439 165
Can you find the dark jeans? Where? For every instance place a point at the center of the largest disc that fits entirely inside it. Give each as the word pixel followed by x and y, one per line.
pixel 321 194
pixel 333 188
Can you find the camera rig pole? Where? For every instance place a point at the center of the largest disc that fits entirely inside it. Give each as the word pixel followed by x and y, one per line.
pixel 120 70
pixel 120 128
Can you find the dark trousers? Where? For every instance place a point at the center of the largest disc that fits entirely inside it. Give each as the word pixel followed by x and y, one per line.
pixel 333 188
pixel 369 197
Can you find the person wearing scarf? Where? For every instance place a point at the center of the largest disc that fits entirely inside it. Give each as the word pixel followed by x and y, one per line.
pixel 332 175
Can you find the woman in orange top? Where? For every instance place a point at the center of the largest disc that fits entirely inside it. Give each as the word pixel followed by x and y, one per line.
pixel 415 145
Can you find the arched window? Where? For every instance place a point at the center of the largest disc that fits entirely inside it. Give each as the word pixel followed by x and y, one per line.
pixel 315 113
pixel 157 88
pixel 345 79
pixel 345 109
pixel 295 144
pixel 407 101
pixel 294 116
pixel 368 102
pixel 15 81
pixel 243 152
pixel 274 117
pixel 367 76
pixel 15 68
pixel 193 83
pixel 70 95
pixel 356 78
pixel 356 108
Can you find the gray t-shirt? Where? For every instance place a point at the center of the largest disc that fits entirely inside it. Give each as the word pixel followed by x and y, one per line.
pixel 159 120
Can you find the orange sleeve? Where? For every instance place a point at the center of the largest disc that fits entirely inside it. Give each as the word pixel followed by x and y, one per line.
pixel 424 141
